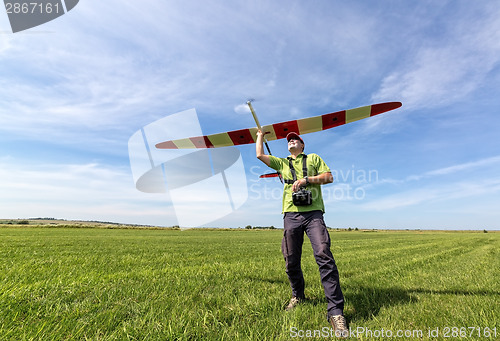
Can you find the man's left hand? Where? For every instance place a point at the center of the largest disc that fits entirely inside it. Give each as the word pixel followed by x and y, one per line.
pixel 298 184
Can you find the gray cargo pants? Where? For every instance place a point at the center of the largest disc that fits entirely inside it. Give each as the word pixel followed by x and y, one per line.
pixel 312 223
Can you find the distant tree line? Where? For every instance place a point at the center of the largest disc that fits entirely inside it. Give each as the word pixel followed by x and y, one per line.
pixel 249 227
pixel 15 222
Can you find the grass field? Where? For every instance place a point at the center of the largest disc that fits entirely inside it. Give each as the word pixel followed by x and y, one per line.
pixel 140 284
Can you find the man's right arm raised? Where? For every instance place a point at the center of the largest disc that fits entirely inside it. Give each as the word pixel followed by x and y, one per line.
pixel 259 149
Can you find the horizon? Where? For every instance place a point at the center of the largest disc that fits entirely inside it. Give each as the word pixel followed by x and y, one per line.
pixel 48 223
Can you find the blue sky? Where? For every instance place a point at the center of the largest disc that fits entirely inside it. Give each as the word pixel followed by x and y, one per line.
pixel 76 89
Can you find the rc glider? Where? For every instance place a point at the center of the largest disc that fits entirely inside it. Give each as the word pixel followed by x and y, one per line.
pixel 280 130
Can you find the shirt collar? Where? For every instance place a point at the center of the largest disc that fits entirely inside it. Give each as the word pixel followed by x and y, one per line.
pixel 300 155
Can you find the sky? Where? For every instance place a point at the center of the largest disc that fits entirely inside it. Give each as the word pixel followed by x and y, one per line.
pixel 76 89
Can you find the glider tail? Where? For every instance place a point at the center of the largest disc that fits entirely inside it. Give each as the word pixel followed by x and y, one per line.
pixel 271 175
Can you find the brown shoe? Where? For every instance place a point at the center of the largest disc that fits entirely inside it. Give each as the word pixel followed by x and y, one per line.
pixel 339 325
pixel 293 303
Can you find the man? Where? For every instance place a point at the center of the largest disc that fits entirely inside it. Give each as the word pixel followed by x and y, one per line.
pixel 299 218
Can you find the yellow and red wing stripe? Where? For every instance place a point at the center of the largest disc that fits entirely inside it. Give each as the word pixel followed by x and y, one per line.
pixel 280 130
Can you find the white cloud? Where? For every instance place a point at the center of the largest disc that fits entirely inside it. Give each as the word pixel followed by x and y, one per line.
pixel 242 109
pixel 78 191
pixel 107 64
pixel 448 67
pixel 413 192
pixel 467 166
pixel 5 43
pixel 434 194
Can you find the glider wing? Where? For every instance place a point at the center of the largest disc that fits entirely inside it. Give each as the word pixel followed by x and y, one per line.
pixel 280 130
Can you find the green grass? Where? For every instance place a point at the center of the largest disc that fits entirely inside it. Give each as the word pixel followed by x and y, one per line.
pixel 138 284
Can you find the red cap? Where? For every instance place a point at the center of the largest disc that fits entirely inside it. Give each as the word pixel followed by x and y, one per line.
pixel 296 136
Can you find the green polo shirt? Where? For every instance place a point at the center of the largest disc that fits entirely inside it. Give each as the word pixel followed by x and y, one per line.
pixel 315 166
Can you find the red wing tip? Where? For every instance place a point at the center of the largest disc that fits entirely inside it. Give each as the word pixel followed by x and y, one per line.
pixel 393 105
pixel 384 107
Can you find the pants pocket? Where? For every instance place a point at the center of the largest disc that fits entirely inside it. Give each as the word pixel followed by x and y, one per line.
pixel 284 246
